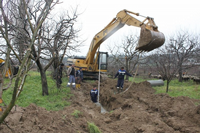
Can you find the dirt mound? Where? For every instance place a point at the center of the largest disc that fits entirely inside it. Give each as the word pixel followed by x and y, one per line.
pixel 137 110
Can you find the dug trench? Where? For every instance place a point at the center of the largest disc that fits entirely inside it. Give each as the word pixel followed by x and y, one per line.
pixel 138 110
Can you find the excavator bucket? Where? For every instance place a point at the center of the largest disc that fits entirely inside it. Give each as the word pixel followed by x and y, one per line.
pixel 150 40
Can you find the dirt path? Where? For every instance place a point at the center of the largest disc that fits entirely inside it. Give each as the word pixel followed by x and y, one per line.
pixel 138 110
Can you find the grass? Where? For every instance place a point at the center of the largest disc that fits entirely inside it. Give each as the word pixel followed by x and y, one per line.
pixel 189 88
pixel 93 128
pixel 137 79
pixel 76 113
pixel 32 93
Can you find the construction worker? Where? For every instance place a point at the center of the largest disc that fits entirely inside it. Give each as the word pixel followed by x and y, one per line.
pixel 71 72
pixel 94 94
pixel 121 73
pixel 59 75
pixel 79 77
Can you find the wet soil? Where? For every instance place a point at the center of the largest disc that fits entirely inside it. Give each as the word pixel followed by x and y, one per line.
pixel 138 110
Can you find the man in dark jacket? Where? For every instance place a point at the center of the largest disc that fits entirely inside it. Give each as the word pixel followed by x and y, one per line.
pixel 94 94
pixel 59 75
pixel 121 73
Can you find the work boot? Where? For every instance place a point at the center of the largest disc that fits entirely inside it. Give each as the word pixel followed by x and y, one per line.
pixel 77 86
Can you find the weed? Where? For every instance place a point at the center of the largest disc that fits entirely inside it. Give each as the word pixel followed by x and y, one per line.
pixel 76 113
pixel 93 128
pixel 111 111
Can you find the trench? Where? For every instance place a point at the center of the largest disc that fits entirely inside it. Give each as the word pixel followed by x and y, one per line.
pixel 103 111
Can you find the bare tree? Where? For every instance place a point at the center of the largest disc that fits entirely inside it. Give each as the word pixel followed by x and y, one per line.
pixel 59 37
pixel 125 54
pixel 185 46
pixel 55 38
pixel 164 60
pixel 8 29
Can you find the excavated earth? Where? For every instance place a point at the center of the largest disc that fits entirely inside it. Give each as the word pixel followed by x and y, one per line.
pixel 138 110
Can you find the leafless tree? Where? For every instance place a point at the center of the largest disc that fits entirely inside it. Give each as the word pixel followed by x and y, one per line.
pixel 55 38
pixel 185 46
pixel 60 36
pixel 165 63
pixel 8 28
pixel 125 54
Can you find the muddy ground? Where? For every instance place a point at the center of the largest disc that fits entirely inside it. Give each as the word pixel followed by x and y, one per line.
pixel 138 110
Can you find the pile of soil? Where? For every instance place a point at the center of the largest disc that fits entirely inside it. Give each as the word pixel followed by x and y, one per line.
pixel 138 110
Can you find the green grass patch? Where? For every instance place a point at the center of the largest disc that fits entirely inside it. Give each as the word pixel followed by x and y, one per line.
pixel 76 113
pixel 93 128
pixel 32 93
pixel 137 79
pixel 189 89
pixel 176 88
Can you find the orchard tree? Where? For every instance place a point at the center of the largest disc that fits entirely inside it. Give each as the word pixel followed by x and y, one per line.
pixel 59 36
pixel 56 36
pixel 184 46
pixel 164 61
pixel 8 29
pixel 124 54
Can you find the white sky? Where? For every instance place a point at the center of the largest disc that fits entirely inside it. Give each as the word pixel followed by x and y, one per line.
pixel 170 16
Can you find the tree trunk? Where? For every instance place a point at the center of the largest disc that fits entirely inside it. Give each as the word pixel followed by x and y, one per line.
pixel 56 62
pixel 167 86
pixel 126 67
pixel 1 85
pixel 43 79
pixel 12 102
pixel 180 74
pixel 44 83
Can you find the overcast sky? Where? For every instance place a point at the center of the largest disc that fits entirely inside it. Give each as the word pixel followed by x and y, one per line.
pixel 170 16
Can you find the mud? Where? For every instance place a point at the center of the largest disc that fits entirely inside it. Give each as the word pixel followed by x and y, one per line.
pixel 138 110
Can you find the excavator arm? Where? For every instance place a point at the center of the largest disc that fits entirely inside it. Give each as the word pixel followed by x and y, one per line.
pixel 150 37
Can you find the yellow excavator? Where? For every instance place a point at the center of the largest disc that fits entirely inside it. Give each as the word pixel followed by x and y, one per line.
pixel 150 39
pixel 8 72
pixel 11 70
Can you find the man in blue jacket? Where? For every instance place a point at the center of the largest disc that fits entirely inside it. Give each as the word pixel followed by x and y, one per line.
pixel 121 73
pixel 94 94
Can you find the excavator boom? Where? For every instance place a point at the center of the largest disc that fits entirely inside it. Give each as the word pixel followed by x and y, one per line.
pixel 150 37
